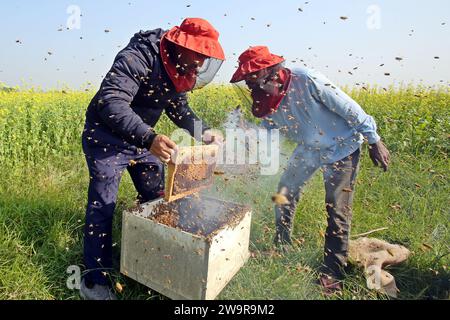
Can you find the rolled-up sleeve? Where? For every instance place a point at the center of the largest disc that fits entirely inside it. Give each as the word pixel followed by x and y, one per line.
pixel 339 102
pixel 117 91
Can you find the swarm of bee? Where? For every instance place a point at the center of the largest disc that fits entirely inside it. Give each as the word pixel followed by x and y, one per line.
pixel 193 214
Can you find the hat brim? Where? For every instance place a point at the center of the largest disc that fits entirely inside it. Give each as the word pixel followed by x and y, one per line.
pixel 200 44
pixel 255 65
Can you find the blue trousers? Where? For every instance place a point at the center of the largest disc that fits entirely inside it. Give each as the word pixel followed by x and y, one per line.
pixel 106 166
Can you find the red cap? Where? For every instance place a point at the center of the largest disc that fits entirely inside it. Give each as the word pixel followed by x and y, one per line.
pixel 198 35
pixel 254 59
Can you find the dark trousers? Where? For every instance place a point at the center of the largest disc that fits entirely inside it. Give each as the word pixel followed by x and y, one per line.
pixel 106 166
pixel 339 180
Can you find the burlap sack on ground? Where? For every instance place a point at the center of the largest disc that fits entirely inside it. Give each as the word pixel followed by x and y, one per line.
pixel 373 255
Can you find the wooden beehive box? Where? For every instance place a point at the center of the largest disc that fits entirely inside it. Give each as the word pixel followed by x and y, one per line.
pixel 187 248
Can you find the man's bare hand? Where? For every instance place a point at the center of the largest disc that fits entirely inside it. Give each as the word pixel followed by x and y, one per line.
pixel 380 155
pixel 163 148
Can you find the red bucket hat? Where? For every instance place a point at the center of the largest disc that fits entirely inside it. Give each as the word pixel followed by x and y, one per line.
pixel 198 35
pixel 254 59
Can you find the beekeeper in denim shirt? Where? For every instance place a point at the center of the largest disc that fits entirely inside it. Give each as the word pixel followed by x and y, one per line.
pixel 329 128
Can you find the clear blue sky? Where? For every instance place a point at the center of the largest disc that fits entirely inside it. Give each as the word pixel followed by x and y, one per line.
pixel 336 45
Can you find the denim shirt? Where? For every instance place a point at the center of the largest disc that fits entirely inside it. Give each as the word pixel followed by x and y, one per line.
pixel 322 118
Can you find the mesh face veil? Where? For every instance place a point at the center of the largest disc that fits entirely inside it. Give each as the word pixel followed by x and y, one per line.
pixel 188 70
pixel 269 82
pixel 198 54
pixel 264 90
pixel 265 76
pixel 206 73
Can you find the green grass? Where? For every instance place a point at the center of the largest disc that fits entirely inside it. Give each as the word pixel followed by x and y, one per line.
pixel 43 191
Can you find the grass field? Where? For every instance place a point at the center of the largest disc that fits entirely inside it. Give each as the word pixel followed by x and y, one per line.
pixel 43 192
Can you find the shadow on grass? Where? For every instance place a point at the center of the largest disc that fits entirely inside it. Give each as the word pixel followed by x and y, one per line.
pixel 422 283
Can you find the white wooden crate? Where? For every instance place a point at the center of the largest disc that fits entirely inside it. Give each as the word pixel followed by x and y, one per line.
pixel 178 264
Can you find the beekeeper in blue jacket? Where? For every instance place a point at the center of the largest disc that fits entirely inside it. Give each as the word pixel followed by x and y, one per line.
pixel 150 76
pixel 329 128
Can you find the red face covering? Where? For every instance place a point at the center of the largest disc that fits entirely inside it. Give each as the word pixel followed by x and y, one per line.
pixel 182 83
pixel 264 103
